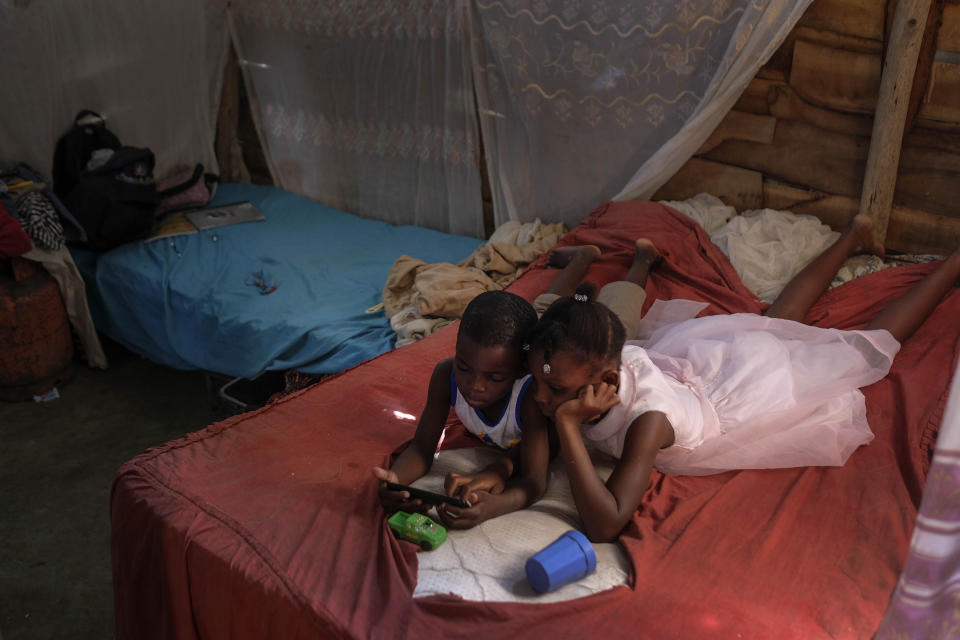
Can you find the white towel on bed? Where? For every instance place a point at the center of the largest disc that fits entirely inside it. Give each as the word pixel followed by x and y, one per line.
pixel 486 563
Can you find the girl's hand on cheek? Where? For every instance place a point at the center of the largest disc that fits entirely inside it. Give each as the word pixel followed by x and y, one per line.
pixel 591 402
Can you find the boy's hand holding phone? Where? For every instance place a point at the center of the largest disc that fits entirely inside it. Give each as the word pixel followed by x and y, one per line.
pixel 396 500
pixel 459 518
pixel 467 486
pixel 428 497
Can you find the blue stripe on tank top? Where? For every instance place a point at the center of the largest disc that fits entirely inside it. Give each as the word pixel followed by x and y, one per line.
pixel 516 409
pixel 503 412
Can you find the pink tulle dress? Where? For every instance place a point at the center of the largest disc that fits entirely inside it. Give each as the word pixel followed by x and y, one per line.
pixel 745 391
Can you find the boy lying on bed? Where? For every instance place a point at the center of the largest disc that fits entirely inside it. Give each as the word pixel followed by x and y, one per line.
pixel 487 385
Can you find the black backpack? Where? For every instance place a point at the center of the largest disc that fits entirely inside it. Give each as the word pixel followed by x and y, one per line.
pixel 114 202
pixel 74 148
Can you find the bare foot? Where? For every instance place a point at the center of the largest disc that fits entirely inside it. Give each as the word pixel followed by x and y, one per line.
pixel 861 228
pixel 559 258
pixel 645 257
pixel 646 252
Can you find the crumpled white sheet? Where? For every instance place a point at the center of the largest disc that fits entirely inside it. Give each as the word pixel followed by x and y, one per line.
pixel 765 246
pixel 516 232
pixel 768 247
pixel 486 563
pixel 410 326
pixel 707 210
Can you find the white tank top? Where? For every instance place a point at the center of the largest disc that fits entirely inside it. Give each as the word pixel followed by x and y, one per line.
pixel 503 433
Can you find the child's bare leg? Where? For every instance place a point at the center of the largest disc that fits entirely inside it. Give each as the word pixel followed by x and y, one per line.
pixel 644 258
pixel 904 315
pixel 574 261
pixel 806 287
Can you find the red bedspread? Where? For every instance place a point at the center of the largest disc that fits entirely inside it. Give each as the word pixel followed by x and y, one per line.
pixel 267 525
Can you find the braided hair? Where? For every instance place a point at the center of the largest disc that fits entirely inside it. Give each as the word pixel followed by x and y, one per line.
pixel 582 325
pixel 498 318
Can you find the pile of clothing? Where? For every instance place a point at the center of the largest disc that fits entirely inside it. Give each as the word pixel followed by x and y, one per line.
pixel 29 208
pixel 35 225
pixel 420 298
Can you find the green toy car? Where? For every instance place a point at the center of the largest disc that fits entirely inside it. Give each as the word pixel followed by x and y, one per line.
pixel 417 528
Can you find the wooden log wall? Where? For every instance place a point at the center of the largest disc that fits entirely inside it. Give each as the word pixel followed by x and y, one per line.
pixel 799 136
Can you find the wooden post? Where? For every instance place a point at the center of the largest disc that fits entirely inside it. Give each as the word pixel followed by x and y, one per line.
pixel 229 154
pixel 924 73
pixel 899 67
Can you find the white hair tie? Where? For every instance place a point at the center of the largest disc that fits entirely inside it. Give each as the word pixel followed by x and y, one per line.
pixel 580 297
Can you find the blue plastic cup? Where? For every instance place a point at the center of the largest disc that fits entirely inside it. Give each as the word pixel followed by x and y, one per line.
pixel 568 558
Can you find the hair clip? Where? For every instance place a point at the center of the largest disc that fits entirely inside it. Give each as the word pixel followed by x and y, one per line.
pixel 526 346
pixel 546 367
pixel 580 297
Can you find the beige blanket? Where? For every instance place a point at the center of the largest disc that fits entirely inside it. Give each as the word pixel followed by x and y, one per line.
pixel 419 298
pixel 64 270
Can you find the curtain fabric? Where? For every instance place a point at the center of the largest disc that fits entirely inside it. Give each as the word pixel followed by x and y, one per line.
pixel 370 106
pixel 152 67
pixel 367 106
pixel 761 29
pixel 574 96
pixel 925 603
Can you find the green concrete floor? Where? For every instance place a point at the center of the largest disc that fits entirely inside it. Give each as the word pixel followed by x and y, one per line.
pixel 57 461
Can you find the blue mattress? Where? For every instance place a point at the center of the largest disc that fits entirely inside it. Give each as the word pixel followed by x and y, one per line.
pixel 188 302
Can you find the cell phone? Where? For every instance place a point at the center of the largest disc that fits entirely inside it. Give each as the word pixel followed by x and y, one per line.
pixel 429 496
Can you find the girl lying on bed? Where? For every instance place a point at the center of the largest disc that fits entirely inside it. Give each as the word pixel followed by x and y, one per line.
pixel 487 383
pixel 715 393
